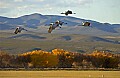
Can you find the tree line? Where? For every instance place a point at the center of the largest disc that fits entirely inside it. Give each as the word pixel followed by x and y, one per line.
pixel 59 58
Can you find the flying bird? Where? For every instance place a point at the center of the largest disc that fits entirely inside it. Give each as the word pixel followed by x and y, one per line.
pixel 55 25
pixel 18 30
pixel 85 24
pixel 68 12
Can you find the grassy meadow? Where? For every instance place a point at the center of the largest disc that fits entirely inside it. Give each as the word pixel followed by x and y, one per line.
pixel 59 74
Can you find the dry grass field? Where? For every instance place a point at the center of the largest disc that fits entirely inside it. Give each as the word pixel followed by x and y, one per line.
pixel 17 44
pixel 59 74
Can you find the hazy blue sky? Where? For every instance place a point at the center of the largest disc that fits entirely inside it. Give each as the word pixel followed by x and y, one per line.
pixel 98 10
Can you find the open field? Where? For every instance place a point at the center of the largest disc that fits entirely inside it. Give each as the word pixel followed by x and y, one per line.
pixel 20 43
pixel 59 74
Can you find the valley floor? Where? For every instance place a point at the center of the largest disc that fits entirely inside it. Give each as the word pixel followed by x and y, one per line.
pixel 59 74
pixel 20 43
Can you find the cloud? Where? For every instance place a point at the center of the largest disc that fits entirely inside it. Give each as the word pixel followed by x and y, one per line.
pixel 18 0
pixel 49 6
pixel 39 0
pixel 3 5
pixel 42 3
pixel 76 2
pixel 4 10
pixel 68 3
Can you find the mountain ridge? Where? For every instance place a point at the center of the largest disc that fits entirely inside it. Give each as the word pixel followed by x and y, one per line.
pixel 36 21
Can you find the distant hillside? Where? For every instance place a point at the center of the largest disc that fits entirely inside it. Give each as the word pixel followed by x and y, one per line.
pixel 27 36
pixel 98 39
pixel 38 22
pixel 21 43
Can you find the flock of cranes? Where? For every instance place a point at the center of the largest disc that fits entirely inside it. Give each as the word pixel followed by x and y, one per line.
pixel 55 24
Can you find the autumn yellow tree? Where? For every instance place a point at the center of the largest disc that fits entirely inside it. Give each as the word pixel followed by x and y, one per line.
pixel 4 59
pixel 39 58
pixel 65 58
pixel 104 59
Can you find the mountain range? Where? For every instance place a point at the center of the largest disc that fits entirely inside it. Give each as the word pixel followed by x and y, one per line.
pixel 72 36
pixel 37 23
